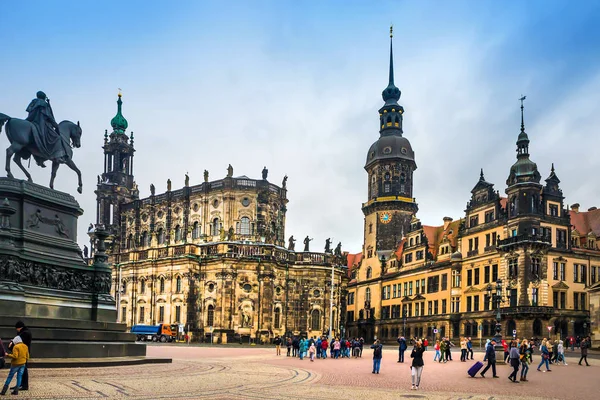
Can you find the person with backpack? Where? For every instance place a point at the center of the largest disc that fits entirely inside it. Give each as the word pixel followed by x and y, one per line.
pixel 401 348
pixel 377 356
pixel 417 364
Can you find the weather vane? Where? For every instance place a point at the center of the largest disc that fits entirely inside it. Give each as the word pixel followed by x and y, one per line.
pixel 120 91
pixel 522 99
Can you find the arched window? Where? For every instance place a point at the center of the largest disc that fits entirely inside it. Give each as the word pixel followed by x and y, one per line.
pixel 210 315
pixel 178 284
pixel 160 236
pixel 129 241
pixel 144 239
pixel 123 287
pixel 411 241
pixel 537 327
pixel 196 230
pixel 244 226
pixel 368 294
pixel 162 285
pixel 402 182
pixel 277 322
pixel 177 233
pixel 315 320
pixel 142 286
pixel 216 227
pixel 369 272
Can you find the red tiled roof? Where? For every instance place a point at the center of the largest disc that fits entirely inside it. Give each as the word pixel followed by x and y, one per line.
pixel 586 221
pixel 353 261
pixel 400 249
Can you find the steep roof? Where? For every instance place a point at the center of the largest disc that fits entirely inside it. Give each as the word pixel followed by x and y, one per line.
pixel 586 221
pixel 353 261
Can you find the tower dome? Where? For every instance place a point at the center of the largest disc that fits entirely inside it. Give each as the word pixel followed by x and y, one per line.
pixel 119 123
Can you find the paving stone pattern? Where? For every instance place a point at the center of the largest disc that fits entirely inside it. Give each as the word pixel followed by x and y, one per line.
pixel 257 373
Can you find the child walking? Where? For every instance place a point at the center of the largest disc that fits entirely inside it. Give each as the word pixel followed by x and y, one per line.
pixel 19 356
pixel 311 351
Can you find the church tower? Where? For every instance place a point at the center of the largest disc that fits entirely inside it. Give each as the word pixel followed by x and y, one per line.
pixel 390 166
pixel 116 185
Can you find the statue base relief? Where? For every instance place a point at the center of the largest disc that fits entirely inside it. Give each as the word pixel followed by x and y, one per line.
pixel 45 282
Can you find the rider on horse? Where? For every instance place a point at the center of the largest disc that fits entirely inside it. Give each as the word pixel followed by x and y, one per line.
pixel 48 140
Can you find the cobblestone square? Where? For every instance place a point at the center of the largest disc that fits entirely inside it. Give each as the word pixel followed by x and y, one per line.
pixel 257 373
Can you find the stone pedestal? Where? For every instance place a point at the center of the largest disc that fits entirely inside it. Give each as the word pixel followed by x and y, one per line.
pixel 45 282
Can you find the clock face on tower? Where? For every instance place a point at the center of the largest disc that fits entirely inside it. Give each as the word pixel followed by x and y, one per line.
pixel 385 218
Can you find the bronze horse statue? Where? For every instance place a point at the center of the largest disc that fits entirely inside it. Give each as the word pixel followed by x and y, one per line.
pixel 22 145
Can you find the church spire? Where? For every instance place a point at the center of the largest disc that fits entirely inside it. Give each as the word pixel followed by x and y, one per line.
pixel 390 115
pixel 119 123
pixel 391 94
pixel 523 140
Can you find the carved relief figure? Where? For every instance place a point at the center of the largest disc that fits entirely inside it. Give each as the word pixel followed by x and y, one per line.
pixel 246 315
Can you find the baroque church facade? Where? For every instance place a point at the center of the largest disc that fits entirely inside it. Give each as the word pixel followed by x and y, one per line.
pixel 435 281
pixel 211 257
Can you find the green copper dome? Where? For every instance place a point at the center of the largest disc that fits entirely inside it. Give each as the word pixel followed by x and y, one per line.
pixel 119 123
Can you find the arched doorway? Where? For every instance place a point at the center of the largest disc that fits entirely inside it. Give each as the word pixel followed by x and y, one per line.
pixel 537 327
pixel 511 326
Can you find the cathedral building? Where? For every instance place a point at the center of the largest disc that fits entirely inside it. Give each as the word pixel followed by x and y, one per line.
pixel 211 257
pixel 525 245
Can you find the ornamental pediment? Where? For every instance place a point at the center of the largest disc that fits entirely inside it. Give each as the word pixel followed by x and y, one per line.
pixel 472 289
pixel 419 297
pixel 406 299
pixel 560 285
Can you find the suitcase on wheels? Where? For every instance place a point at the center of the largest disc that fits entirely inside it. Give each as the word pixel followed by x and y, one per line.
pixel 475 369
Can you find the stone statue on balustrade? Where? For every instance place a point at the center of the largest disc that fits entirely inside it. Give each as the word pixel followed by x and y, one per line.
pixel 328 245
pixel 307 243
pixel 291 243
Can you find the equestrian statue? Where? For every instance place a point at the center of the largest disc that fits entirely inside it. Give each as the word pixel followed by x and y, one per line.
pixel 41 137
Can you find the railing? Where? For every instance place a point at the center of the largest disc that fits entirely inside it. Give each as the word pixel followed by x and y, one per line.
pixel 472 253
pixel 524 238
pixel 527 310
pixel 489 248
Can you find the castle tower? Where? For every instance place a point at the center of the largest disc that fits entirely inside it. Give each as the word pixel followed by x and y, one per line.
pixel 390 165
pixel 116 185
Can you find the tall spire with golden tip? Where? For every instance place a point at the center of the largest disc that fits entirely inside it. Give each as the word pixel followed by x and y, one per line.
pixel 119 123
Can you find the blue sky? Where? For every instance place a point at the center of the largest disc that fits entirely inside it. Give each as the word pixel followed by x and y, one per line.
pixel 296 86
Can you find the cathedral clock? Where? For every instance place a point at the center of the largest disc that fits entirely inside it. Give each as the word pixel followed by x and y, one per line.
pixel 385 218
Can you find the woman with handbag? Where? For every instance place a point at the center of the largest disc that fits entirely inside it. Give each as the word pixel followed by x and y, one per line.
pixel 545 356
pixel 525 355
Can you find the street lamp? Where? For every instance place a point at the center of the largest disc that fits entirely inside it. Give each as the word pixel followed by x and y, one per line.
pixel 497 299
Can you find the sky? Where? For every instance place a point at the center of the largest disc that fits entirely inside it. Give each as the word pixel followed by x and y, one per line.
pixel 296 85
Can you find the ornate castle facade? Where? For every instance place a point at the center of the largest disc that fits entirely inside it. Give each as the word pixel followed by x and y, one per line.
pixel 434 281
pixel 211 257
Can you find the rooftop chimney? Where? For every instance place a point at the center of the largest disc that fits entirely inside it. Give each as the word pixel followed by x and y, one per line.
pixel 575 207
pixel 592 208
pixel 447 221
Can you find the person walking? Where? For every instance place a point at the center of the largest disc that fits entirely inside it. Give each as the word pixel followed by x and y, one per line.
pixel 515 361
pixel 545 356
pixel 470 348
pixel 25 335
pixel 336 348
pixel 324 347
pixel 401 348
pixel 288 344
pixel 19 356
pixel 490 356
pixel 436 347
pixel 463 349
pixel 443 347
pixel 505 347
pixel 561 353
pixel 318 346
pixel 377 355
pixel 449 345
pixel 311 351
pixel 525 356
pixel 295 347
pixel 583 345
pixel 416 368
pixel 277 342
pixel 303 348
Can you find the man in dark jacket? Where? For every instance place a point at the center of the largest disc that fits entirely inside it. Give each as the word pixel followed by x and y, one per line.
pixel 401 348
pixel 490 355
pixel 25 335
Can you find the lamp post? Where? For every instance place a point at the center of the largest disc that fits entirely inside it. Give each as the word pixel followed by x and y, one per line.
pixel 497 299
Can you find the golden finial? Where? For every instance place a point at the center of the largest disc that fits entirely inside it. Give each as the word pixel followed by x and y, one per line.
pixel 391 31
pixel 120 95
